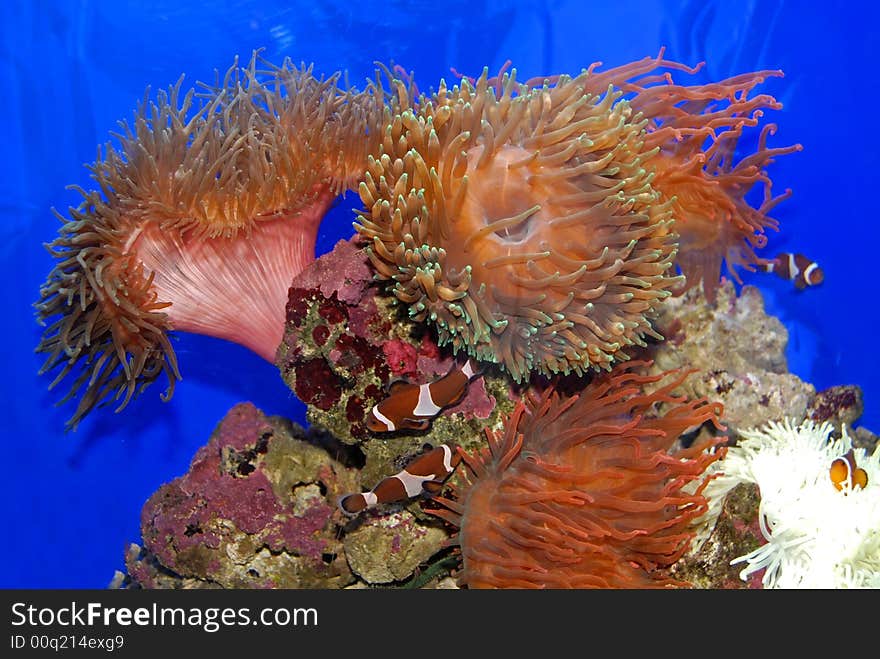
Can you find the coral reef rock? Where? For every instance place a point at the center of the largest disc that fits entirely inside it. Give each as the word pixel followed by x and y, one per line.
pixel 736 532
pixel 841 405
pixel 739 353
pixel 390 547
pixel 256 510
pixel 345 342
pixel 864 438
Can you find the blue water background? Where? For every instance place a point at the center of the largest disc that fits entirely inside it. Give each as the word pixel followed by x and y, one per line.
pixel 71 69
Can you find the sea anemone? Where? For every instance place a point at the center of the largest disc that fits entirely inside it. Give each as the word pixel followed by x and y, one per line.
pixel 696 130
pixel 583 491
pixel 820 533
pixel 522 221
pixel 202 215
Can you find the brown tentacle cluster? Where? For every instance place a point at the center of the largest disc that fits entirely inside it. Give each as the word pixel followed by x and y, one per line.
pixel 583 491
pixel 202 215
pixel 522 221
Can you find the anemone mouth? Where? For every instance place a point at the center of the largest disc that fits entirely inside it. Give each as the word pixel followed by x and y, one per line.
pixel 517 234
pixel 500 199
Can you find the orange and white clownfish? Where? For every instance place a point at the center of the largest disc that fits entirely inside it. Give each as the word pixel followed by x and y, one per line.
pixel 846 475
pixel 425 473
pixel 413 406
pixel 796 268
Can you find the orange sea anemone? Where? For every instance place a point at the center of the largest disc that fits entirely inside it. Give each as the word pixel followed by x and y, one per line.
pixel 696 130
pixel 202 215
pixel 583 491
pixel 522 221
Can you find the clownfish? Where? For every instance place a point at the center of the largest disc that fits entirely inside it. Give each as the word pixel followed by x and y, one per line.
pixel 425 473
pixel 845 474
pixel 413 406
pixel 796 268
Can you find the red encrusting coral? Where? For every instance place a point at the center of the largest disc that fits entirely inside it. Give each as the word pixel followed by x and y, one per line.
pixel 401 358
pixel 334 335
pixel 583 491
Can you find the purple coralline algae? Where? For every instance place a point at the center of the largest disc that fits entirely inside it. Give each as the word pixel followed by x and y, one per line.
pixel 841 405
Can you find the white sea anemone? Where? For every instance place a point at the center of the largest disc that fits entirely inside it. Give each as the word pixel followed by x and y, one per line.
pixel 818 536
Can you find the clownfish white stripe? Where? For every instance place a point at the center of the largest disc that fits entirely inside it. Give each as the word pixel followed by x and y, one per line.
pixel 808 273
pixel 370 499
pixel 447 458
pixel 389 424
pixel 413 484
pixel 426 405
pixel 793 270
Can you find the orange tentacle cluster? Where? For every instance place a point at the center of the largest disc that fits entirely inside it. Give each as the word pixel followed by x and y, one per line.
pixel 203 214
pixel 696 130
pixel 583 491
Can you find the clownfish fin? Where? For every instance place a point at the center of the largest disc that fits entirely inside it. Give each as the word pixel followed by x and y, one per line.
pixel 860 478
pixel 432 487
pixel 396 385
pixel 415 424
